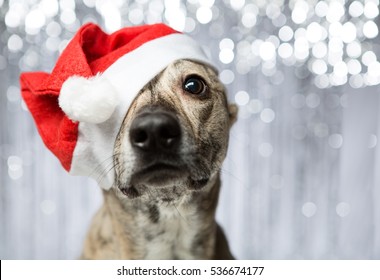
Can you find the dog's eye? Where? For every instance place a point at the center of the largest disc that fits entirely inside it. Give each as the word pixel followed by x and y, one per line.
pixel 194 85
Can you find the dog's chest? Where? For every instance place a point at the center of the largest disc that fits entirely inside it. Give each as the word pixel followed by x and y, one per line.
pixel 171 235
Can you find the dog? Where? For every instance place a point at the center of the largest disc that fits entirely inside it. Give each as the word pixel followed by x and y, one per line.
pixel 167 160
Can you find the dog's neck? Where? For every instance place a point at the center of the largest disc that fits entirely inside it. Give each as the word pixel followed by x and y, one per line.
pixel 157 229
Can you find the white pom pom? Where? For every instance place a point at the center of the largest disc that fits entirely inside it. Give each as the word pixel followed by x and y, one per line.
pixel 91 100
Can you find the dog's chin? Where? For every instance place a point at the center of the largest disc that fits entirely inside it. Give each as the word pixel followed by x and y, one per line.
pixel 162 177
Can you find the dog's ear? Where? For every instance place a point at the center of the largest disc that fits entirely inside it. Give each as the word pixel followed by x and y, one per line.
pixel 232 113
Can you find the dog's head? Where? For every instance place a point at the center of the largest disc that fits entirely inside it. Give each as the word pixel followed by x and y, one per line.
pixel 175 134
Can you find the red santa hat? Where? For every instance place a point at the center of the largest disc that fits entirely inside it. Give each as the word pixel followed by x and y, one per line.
pixel 79 107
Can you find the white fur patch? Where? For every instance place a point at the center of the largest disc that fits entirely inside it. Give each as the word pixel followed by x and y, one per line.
pixel 90 100
pixel 176 242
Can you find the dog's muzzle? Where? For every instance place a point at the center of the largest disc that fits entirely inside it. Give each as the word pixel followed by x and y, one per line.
pixel 157 140
pixel 156 137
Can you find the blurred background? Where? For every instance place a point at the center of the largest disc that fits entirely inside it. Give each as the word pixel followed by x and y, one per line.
pixel 302 176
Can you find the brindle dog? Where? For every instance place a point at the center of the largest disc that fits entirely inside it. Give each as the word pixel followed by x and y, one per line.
pixel 167 159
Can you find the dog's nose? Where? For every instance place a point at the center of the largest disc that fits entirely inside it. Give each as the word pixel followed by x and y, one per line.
pixel 155 132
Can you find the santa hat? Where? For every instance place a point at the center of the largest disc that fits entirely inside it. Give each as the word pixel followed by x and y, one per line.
pixel 79 107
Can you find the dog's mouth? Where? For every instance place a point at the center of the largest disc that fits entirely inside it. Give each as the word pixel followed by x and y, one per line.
pixel 162 175
pixel 158 174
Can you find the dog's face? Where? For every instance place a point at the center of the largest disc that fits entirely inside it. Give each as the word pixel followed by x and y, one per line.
pixel 175 135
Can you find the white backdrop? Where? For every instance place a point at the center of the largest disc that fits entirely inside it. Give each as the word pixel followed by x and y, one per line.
pixel 301 179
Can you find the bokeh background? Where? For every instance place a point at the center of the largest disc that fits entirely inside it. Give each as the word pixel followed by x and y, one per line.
pixel 302 176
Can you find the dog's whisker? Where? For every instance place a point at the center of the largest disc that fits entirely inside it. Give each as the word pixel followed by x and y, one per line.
pixel 100 165
pixel 179 213
pixel 230 174
pixel 150 194
pixel 103 171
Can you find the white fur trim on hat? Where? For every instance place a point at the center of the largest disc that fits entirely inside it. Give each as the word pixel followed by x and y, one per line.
pixel 90 100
